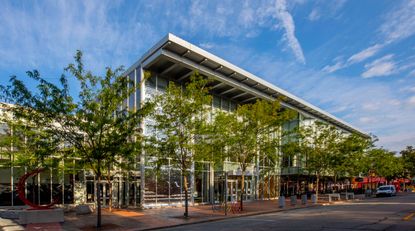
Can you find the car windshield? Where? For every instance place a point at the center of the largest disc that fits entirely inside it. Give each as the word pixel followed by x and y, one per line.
pixel 385 188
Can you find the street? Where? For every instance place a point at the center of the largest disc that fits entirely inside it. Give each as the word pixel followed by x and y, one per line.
pixel 395 213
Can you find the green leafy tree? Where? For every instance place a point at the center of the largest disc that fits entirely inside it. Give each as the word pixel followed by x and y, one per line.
pixel 97 124
pixel 291 148
pixel 319 143
pixel 179 125
pixel 384 163
pixel 251 131
pixel 408 158
pixel 26 145
pixel 351 156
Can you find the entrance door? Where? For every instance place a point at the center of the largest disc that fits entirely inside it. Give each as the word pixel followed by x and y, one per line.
pixel 134 193
pixel 232 190
pixel 248 189
pixel 105 193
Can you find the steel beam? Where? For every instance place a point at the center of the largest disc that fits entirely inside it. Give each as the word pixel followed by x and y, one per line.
pixel 249 99
pixel 184 76
pixel 239 95
pixel 169 69
pixel 217 85
pixel 227 91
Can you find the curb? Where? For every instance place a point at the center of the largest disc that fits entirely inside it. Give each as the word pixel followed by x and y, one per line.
pixel 229 217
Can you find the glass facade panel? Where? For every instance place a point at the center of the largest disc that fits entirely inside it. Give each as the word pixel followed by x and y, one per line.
pixel 90 189
pixel 150 195
pixel 45 189
pixel 232 106
pixel 138 88
pixel 163 185
pixel 5 187
pixel 33 189
pixel 202 180
pixel 225 104
pixel 131 98
pixel 176 192
pixel 161 84
pixel 17 173
pixel 68 188
pixel 216 102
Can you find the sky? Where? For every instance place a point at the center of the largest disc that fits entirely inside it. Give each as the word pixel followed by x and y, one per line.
pixel 354 59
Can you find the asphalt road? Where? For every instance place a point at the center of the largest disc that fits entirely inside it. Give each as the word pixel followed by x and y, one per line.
pixel 396 213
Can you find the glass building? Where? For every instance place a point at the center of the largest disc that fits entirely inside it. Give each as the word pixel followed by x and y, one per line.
pixel 173 59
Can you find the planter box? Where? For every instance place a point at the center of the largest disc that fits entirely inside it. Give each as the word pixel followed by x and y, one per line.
pixel 41 216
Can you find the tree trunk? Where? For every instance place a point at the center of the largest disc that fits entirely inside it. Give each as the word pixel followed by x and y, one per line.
pixel 241 207
pixel 99 195
pixel 186 199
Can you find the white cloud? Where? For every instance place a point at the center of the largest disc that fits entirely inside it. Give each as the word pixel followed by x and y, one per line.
pixel 372 106
pixel 400 23
pixel 207 45
pixel 332 68
pixel 287 22
pixel 314 15
pixel 35 38
pixel 411 101
pixel 367 120
pixel 325 9
pixel 355 58
pixel 247 15
pixel 364 54
pixel 380 67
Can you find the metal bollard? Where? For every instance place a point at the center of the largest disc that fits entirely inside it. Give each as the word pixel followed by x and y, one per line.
pixel 313 198
pixel 293 200
pixel 281 201
pixel 303 199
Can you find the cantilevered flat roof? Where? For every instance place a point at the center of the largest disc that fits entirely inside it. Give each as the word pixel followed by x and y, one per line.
pixel 176 59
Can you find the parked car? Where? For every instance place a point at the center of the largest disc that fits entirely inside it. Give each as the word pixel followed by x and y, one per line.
pixel 386 190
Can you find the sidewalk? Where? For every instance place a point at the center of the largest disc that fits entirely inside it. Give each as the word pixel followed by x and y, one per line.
pixel 148 219
pixel 131 219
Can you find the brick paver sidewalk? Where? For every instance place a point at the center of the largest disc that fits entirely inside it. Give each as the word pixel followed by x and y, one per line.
pixel 134 219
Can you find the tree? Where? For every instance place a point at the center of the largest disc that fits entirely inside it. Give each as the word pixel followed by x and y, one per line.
pixel 319 144
pixel 408 158
pixel 384 163
pixel 178 126
pixel 291 149
pixel 251 131
pixel 26 145
pixel 352 151
pixel 96 122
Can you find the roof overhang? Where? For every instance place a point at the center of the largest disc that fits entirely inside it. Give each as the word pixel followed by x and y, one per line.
pixel 176 59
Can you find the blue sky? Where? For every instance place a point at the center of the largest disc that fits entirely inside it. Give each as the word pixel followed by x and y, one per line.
pixel 354 59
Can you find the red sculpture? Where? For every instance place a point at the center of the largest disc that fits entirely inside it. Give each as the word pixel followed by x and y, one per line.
pixel 21 190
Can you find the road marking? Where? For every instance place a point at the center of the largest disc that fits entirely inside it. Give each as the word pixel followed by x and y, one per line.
pixel 408 217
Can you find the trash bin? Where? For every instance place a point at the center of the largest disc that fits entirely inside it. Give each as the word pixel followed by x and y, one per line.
pixel 304 199
pixel 293 200
pixel 314 199
pixel 281 201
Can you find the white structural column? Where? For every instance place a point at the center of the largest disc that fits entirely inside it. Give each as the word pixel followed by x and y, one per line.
pixel 192 182
pixel 211 183
pixel 257 179
pixel 142 125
